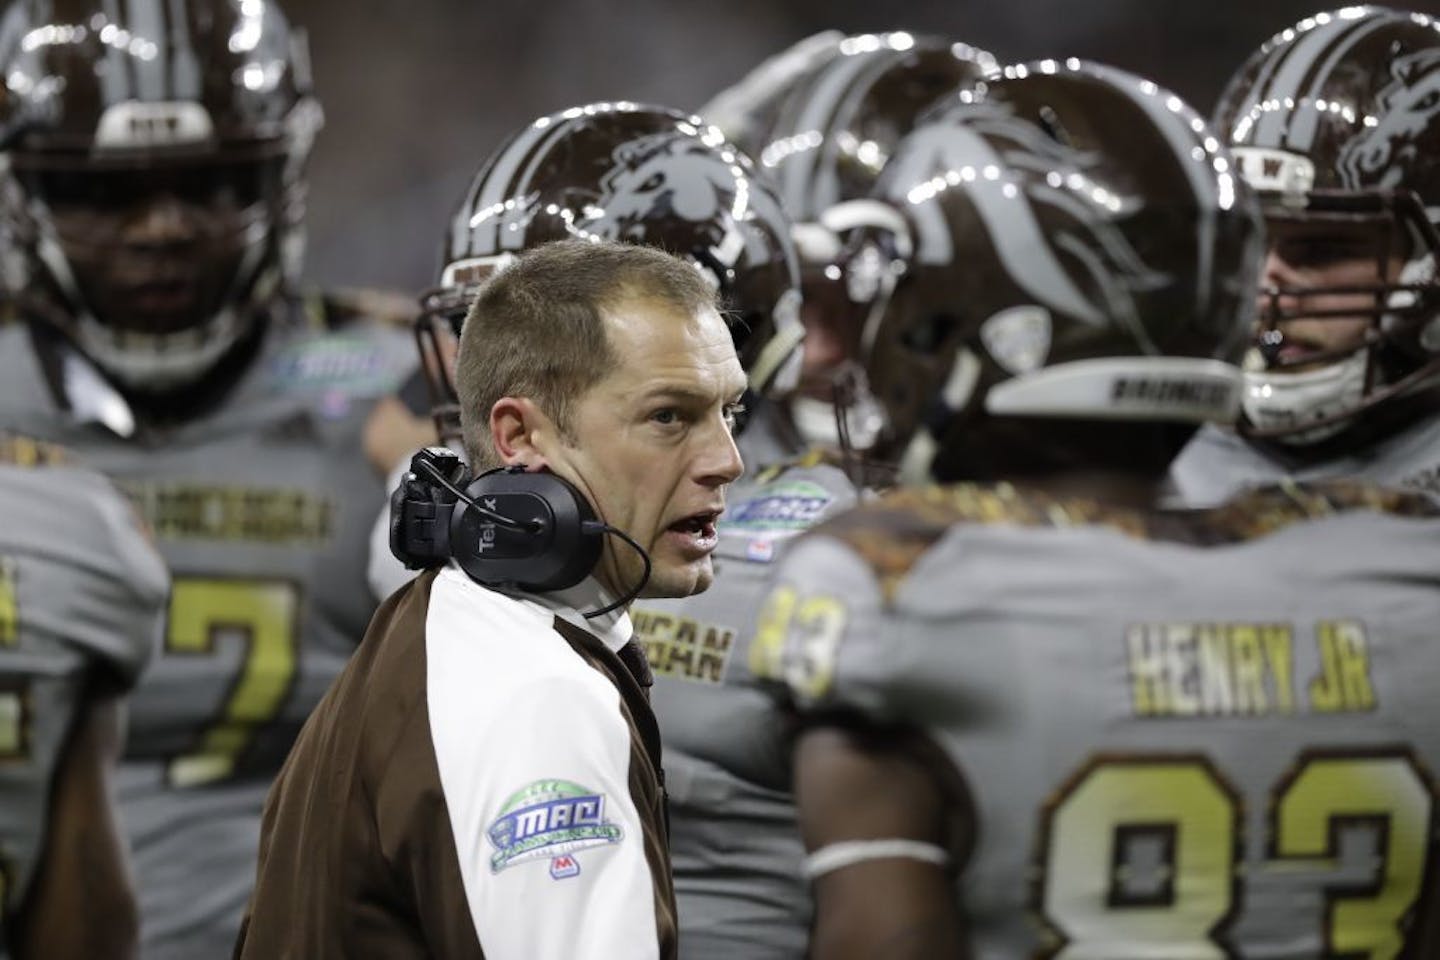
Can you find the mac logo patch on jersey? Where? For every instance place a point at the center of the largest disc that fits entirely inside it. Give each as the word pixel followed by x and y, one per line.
pixel 349 366
pixel 550 819
pixel 783 508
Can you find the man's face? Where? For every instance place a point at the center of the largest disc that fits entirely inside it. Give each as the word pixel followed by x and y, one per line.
pixel 1320 255
pixel 652 446
pixel 156 250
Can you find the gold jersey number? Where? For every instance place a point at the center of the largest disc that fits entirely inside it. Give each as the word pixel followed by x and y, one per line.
pixel 797 640
pixel 1191 820
pixel 209 616
pixel 14 691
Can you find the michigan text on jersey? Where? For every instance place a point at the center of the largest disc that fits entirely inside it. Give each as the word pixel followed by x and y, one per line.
pixel 682 647
pixel 193 511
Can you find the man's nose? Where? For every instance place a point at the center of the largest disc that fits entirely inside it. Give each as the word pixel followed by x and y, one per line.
pixel 163 220
pixel 720 463
pixel 1277 274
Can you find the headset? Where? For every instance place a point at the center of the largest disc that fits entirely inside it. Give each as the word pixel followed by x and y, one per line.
pixel 517 528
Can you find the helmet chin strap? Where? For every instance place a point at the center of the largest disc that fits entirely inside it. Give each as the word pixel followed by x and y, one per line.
pixel 1278 404
pixel 853 418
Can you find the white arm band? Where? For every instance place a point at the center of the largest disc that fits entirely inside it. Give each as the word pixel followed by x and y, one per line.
pixel 839 855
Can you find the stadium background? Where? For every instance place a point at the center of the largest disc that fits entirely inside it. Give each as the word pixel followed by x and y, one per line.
pixel 418 92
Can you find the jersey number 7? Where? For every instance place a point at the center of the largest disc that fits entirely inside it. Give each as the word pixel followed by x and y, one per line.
pixel 263 615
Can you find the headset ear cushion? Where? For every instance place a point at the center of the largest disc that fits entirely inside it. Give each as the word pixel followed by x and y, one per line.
pixel 559 554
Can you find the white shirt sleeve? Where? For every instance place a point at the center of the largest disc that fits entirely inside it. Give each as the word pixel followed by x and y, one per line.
pixel 534 758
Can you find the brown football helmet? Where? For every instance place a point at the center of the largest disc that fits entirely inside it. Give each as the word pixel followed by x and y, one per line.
pixel 154 158
pixel 1077 260
pixel 638 174
pixel 840 123
pixel 835 129
pixel 747 110
pixel 1335 122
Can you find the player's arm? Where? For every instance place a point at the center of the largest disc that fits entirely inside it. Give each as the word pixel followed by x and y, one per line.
pixel 81 903
pixel 881 827
pixel 393 431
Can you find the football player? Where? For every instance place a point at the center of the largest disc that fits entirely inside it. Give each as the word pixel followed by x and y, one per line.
pixel 822 135
pixel 1045 718
pixel 153 176
pixel 1336 123
pixel 82 603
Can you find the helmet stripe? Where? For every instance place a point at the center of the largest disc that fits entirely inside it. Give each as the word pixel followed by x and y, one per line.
pixel 500 182
pixel 1176 125
pixel 1301 135
pixel 147 20
pixel 183 69
pixel 523 183
pixel 823 99
pixel 1297 64
pixel 114 78
pixel 1019 240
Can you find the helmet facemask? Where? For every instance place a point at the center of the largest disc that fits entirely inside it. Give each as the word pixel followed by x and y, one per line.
pixel 155 266
pixel 852 258
pixel 1355 320
pixel 437 336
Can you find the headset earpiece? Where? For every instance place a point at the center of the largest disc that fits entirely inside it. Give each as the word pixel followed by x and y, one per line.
pixel 551 543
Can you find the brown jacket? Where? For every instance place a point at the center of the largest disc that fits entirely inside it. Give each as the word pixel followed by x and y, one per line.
pixel 358 858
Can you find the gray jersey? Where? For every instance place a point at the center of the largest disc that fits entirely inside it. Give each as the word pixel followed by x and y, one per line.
pixel 1172 750
pixel 82 603
pixel 1218 463
pixel 261 510
pixel 734 845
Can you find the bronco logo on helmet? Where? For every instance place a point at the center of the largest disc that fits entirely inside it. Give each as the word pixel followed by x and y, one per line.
pixel 668 176
pixel 1382 154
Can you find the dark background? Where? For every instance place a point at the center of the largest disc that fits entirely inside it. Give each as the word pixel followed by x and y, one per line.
pixel 418 92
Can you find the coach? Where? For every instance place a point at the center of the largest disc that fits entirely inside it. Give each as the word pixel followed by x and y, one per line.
pixel 483 779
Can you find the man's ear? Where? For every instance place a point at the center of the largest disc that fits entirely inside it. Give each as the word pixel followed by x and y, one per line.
pixel 519 429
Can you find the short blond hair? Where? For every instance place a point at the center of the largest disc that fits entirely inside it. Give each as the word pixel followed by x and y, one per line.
pixel 536 329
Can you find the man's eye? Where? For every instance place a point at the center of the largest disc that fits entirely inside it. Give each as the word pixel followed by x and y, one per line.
pixel 735 415
pixel 666 416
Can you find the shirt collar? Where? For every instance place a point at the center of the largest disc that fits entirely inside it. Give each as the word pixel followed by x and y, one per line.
pixel 613 629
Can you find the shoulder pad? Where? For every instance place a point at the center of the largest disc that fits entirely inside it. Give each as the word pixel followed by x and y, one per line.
pixel 893 531
pixel 1269 509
